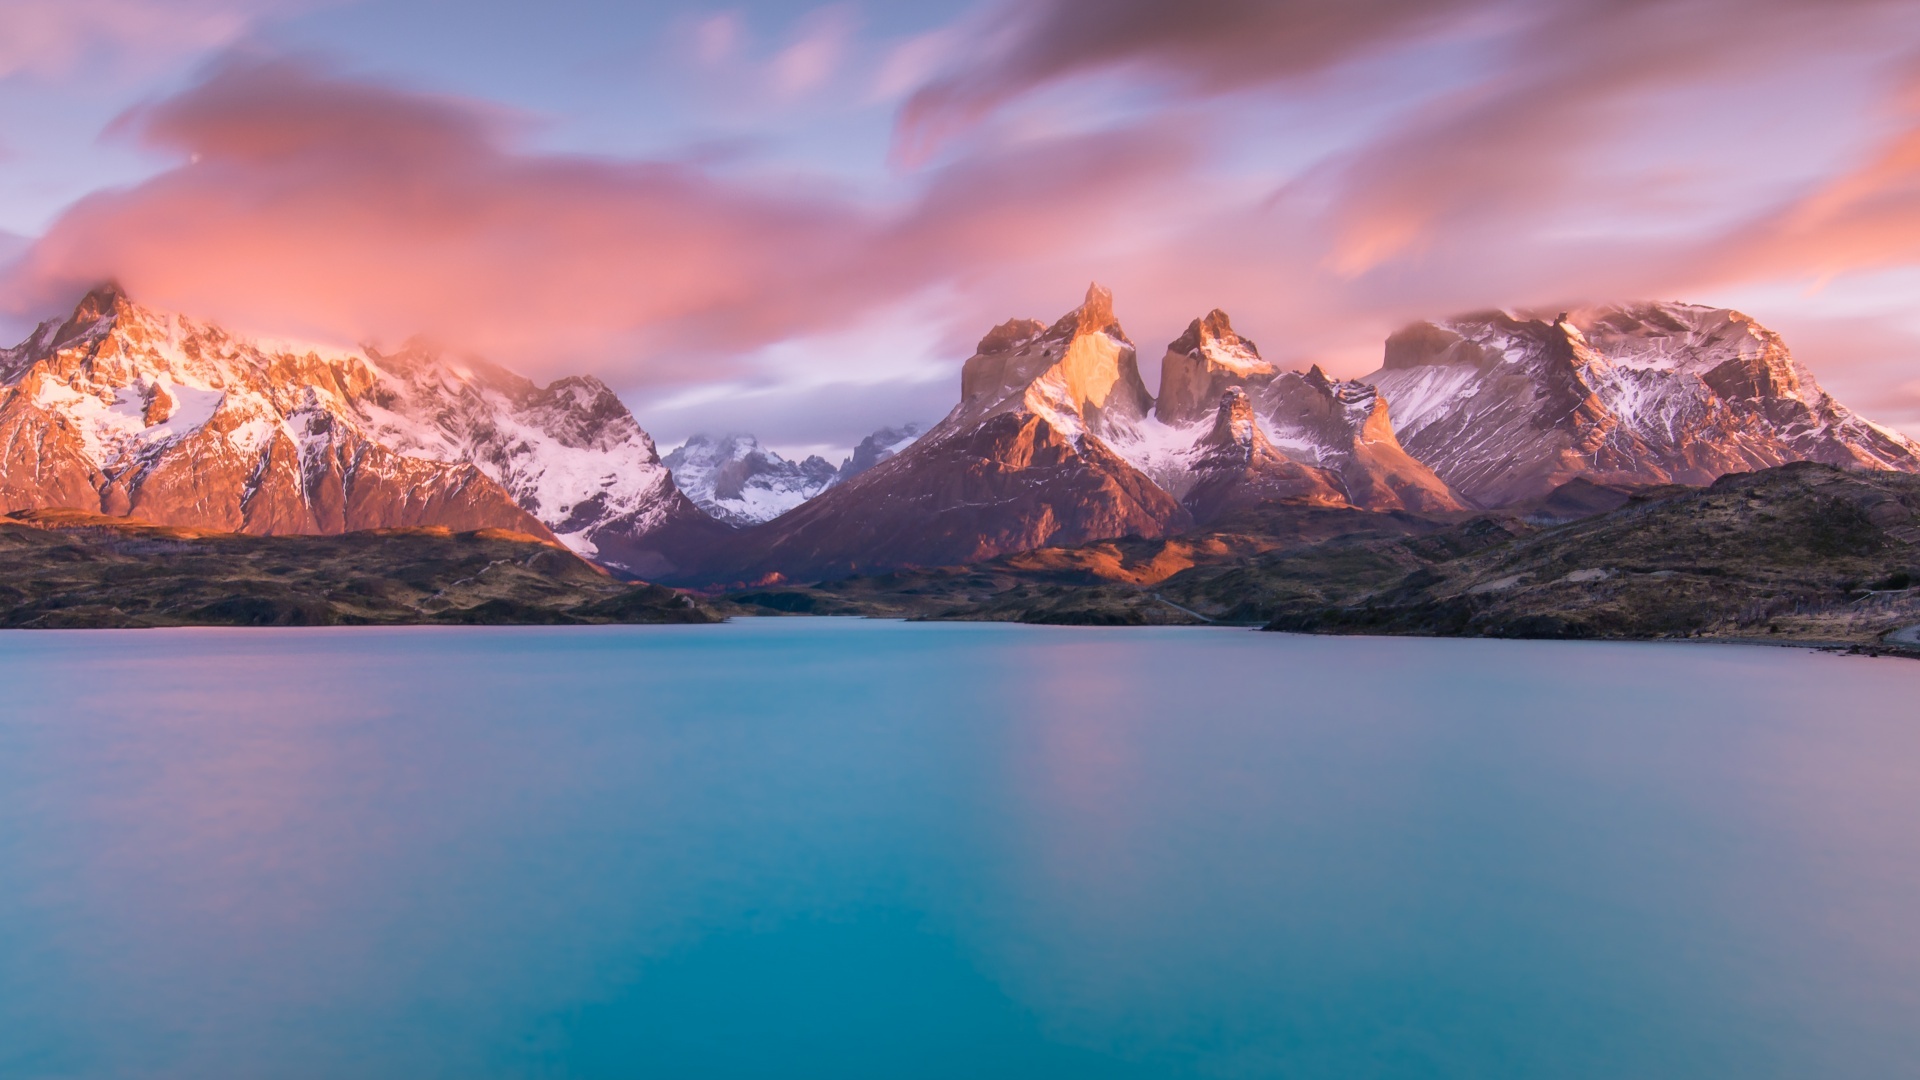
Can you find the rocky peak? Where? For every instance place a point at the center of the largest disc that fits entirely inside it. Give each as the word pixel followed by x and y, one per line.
pixel 1214 328
pixel 1009 335
pixel 1081 375
pixel 1235 467
pixel 1201 364
pixel 878 447
pixel 1349 393
pixel 106 301
pixel 1234 426
pixel 1093 316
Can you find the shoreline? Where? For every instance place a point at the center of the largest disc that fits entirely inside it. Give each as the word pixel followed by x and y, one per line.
pixel 1886 647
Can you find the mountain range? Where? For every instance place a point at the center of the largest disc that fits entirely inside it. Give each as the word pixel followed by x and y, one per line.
pixel 738 481
pixel 1056 441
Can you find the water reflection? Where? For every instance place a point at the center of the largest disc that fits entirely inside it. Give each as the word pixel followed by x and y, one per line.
pixel 792 848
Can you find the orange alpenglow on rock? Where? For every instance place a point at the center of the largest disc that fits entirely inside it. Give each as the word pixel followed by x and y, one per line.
pixel 1021 462
pixel 1317 422
pixel 122 410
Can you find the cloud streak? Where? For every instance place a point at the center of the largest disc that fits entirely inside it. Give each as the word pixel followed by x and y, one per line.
pixel 51 37
pixel 317 205
pixel 1200 46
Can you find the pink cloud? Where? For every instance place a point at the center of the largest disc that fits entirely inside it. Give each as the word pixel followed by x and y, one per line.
pixel 1863 218
pixel 313 205
pixel 49 37
pixel 317 205
pixel 816 53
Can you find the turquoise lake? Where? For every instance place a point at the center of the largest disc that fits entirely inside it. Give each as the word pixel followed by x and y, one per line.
pixel 848 849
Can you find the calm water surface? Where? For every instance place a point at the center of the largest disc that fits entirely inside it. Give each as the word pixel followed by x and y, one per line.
pixel 808 848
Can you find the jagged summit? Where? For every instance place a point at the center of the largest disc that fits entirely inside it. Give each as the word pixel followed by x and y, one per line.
pixel 1010 335
pixel 1202 364
pixel 1021 462
pixel 1093 316
pixel 738 481
pixel 1214 328
pixel 1235 467
pixel 1346 426
pixel 103 301
pixel 1312 419
pixel 1081 373
pixel 1235 430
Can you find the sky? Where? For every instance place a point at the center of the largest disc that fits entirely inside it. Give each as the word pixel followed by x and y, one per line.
pixel 795 219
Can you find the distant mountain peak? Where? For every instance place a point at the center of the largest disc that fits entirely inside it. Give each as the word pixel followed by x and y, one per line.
pixel 738 481
pixel 878 447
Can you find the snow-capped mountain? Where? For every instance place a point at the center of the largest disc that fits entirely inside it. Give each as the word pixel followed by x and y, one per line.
pixel 877 448
pixel 1506 407
pixel 737 480
pixel 1019 463
pixel 122 410
pixel 1342 427
pixel 740 482
pixel 125 410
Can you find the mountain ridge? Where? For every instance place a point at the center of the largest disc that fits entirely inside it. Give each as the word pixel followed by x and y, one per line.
pixel 1507 406
pixel 126 411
